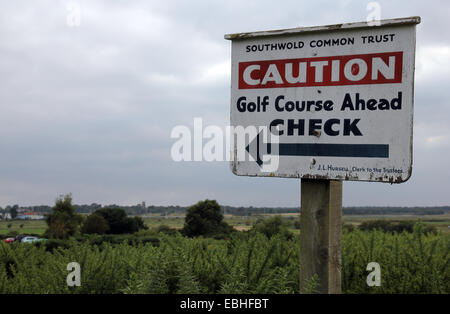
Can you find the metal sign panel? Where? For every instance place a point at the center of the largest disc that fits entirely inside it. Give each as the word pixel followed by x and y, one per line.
pixel 328 102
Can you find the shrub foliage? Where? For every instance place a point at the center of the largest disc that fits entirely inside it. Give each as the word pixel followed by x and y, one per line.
pixel 416 262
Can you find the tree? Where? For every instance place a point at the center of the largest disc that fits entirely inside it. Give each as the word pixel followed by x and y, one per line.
pixel 63 222
pixel 118 221
pixel 13 211
pixel 205 218
pixel 95 224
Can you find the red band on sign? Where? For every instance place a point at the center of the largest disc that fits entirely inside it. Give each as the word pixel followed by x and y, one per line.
pixel 374 68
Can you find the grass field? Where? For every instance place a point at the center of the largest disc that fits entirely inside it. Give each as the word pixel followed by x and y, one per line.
pixel 28 227
pixel 441 222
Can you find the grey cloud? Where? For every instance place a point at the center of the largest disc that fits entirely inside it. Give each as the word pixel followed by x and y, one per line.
pixel 89 109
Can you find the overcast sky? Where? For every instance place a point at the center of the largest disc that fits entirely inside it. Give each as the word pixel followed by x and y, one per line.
pixel 88 109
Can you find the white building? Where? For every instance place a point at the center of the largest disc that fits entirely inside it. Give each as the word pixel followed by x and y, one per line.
pixel 5 216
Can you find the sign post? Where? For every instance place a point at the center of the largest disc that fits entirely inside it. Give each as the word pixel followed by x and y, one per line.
pixel 324 104
pixel 320 238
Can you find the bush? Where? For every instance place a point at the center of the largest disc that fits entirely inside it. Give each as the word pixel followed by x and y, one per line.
pixel 118 221
pixel 297 223
pixel 11 234
pixel 166 230
pixel 135 224
pixel 388 226
pixel 116 218
pixel 380 224
pixel 117 239
pixel 414 262
pixel 52 244
pixel 95 224
pixel 205 219
pixel 273 226
pixel 348 227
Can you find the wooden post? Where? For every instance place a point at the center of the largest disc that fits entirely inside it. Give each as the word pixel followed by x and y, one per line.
pixel 320 235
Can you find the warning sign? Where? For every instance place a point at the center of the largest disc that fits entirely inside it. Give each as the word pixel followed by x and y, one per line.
pixel 328 102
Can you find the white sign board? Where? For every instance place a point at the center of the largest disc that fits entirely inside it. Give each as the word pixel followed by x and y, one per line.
pixel 329 102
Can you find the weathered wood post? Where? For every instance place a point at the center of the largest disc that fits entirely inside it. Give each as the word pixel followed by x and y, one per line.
pixel 320 234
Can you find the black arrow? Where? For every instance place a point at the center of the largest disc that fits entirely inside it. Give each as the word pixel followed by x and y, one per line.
pixel 322 150
pixel 332 150
pixel 258 159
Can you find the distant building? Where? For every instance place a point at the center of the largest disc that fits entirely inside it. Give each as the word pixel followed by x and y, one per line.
pixel 30 216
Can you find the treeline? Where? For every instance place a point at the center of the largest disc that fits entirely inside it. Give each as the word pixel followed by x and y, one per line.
pixel 396 210
pixel 249 211
pixel 137 210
